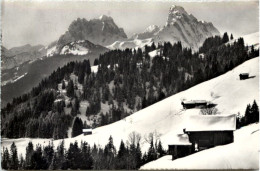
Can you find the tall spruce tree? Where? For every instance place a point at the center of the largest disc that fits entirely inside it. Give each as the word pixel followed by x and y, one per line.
pixel 14 162
pixel 5 159
pixel 70 89
pixel 225 38
pixel 255 112
pixel 77 127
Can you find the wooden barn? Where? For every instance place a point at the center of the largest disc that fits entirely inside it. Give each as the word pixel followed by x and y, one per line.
pixel 244 76
pixel 87 131
pixel 180 146
pixel 197 104
pixel 210 131
pixel 202 132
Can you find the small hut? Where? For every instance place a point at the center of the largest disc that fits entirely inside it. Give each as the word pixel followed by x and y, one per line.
pixel 244 76
pixel 197 104
pixel 87 131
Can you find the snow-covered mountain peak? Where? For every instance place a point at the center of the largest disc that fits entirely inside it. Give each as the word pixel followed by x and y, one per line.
pixel 152 28
pixel 175 13
pixel 105 18
pixel 177 10
pixel 100 31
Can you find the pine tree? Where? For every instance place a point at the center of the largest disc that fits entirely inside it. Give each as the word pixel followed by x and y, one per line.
pixel 96 62
pixel 48 153
pixel 74 156
pixel 21 163
pixel 138 156
pixel 160 149
pixel 231 37
pixel 14 162
pixel 225 38
pixel 70 89
pixel 28 156
pixel 151 152
pixel 248 115
pixel 77 127
pixel 59 158
pixel 109 154
pixel 122 150
pixel 5 159
pixel 255 112
pixel 87 160
pixel 63 85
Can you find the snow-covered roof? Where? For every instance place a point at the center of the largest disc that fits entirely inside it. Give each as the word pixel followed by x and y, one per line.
pixel 86 130
pixel 211 123
pixel 194 101
pixel 244 74
pixel 180 139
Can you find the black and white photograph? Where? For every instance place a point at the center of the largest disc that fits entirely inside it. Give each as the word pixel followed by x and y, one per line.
pixel 129 85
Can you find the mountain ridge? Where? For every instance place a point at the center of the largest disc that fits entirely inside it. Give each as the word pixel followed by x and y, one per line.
pixel 180 26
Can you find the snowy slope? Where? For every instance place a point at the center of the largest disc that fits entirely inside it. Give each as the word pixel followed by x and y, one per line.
pixel 242 154
pixel 79 47
pixel 131 43
pixel 251 39
pixel 167 116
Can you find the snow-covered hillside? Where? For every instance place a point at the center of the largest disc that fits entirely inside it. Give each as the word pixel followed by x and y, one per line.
pixel 242 154
pixel 131 43
pixel 251 39
pixel 167 117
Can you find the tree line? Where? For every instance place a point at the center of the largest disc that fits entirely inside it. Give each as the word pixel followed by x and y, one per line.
pixel 251 115
pixel 82 156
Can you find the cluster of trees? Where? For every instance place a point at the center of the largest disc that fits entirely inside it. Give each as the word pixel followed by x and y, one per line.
pixel 127 80
pixel 129 156
pixel 251 115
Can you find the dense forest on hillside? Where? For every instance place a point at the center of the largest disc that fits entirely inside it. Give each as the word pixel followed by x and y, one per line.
pixel 126 81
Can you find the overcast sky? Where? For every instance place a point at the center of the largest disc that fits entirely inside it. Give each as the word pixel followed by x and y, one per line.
pixel 43 22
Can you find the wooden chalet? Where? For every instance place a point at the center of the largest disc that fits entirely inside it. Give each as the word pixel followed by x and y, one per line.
pixel 203 132
pixel 87 131
pixel 244 76
pixel 197 104
pixel 210 130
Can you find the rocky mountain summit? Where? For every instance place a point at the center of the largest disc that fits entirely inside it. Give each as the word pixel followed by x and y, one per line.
pixel 101 31
pixel 180 26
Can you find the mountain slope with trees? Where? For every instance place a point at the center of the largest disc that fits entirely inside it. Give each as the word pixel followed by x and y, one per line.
pixel 126 81
pixel 166 118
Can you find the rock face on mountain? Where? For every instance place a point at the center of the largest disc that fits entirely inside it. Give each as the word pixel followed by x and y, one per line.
pixel 184 27
pixel 18 55
pixel 102 31
pixel 180 26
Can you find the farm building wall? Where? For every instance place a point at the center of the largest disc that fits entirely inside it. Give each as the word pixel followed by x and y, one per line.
pixel 178 151
pixel 208 139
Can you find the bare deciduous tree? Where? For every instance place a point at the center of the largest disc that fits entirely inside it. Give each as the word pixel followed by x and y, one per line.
pixel 155 136
pixel 134 138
